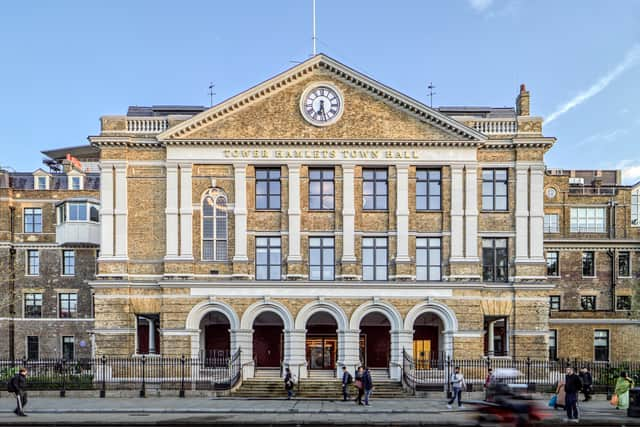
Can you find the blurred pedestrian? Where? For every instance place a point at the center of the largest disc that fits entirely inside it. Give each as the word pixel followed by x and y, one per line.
pixel 359 385
pixel 367 385
pixel 289 382
pixel 458 384
pixel 623 384
pixel 488 385
pixel 18 386
pixel 347 379
pixel 572 386
pixel 587 382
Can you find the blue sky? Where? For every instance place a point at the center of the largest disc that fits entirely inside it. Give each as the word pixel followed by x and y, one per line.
pixel 66 63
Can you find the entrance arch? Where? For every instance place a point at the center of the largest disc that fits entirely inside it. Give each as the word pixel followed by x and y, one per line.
pixel 268 340
pixel 379 324
pixel 211 313
pixel 321 341
pixel 424 318
pixel 215 339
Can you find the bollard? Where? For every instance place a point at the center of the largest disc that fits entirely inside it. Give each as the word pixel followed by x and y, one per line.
pixel 103 390
pixel 143 392
pixel 63 391
pixel 182 362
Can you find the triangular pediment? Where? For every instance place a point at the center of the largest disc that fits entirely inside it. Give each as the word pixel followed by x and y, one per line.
pixel 371 111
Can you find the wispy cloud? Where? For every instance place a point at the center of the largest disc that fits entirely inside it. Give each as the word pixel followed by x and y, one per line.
pixel 480 5
pixel 630 171
pixel 631 59
pixel 608 136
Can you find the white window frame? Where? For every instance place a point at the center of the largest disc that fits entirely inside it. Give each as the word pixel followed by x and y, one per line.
pixel 36 181
pixel 574 220
pixel 62 269
pixel 427 247
pixel 27 265
pixel 548 224
pixel 214 195
pixel 62 337
pixel 24 304
pixel 557 262
pixel 608 344
pixel 70 179
pixel 58 304
pixel 24 220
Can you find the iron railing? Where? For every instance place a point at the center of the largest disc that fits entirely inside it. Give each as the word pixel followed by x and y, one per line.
pixel 141 373
pixel 539 375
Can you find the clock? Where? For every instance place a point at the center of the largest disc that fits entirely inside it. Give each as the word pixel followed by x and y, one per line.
pixel 321 104
pixel 551 192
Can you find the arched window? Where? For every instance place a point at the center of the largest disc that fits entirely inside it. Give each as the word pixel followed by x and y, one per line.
pixel 214 227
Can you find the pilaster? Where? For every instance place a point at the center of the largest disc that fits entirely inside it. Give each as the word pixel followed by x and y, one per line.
pixel 402 214
pixel 240 212
pixel 522 213
pixel 171 211
pixel 186 213
pixel 106 210
pixel 536 214
pixel 457 213
pixel 294 213
pixel 471 213
pixel 348 214
pixel 120 212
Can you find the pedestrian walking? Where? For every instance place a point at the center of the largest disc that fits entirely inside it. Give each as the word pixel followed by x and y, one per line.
pixel 367 385
pixel 572 386
pixel 560 396
pixel 347 379
pixel 458 384
pixel 289 382
pixel 18 386
pixel 587 382
pixel 488 381
pixel 359 385
pixel 623 384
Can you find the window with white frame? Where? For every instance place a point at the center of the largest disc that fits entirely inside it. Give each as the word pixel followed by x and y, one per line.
pixel 635 207
pixel 68 348
pixel 33 262
pixel 77 212
pixel 321 258
pixel 41 182
pixel 553 267
pixel 551 223
pixel 32 220
pixel 588 264
pixel 588 220
pixel 75 182
pixel 495 189
pixel 374 258
pixel 554 302
pixel 321 189
pixel 268 258
pixel 67 305
pixel 33 305
pixel 428 189
pixel 214 227
pixel 68 263
pixel 428 259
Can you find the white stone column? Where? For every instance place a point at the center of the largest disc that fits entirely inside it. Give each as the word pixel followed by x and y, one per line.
pixel 121 211
pixel 240 212
pixel 522 213
pixel 457 213
pixel 348 214
pixel 490 339
pixel 152 336
pixel 294 213
pixel 348 350
pixel 402 214
pixel 536 214
pixel 106 210
pixel 243 339
pixel 294 351
pixel 399 340
pixel 471 213
pixel 186 213
pixel 171 211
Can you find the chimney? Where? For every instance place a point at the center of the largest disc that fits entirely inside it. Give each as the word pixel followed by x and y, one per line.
pixel 522 102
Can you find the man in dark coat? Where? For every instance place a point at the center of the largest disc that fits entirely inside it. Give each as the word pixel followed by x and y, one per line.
pixel 18 386
pixel 346 380
pixel 572 386
pixel 587 382
pixel 367 385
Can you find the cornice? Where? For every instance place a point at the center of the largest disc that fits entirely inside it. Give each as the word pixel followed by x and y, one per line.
pixel 320 142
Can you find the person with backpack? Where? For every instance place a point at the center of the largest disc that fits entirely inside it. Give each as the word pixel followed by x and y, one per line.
pixel 289 382
pixel 458 384
pixel 18 386
pixel 347 379
pixel 367 384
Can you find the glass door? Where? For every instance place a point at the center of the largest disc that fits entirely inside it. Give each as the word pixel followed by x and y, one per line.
pixel 322 352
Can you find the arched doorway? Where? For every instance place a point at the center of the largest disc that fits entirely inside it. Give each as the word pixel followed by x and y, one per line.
pixel 268 340
pixel 321 341
pixel 427 339
pixel 375 340
pixel 215 338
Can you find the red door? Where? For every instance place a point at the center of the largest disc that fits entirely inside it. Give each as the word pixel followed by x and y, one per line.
pixel 378 345
pixel 267 346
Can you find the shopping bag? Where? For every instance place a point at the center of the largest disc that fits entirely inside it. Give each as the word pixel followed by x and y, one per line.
pixel 553 400
pixel 614 400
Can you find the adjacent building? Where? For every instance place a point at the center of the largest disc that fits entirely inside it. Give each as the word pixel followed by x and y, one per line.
pixel 49 239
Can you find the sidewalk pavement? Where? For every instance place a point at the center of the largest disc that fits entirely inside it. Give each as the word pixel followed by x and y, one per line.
pixel 237 411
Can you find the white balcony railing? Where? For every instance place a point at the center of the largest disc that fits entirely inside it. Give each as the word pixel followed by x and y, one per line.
pixel 495 126
pixel 72 232
pixel 147 124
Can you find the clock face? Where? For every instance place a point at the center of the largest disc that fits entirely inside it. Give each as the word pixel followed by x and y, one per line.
pixel 551 192
pixel 321 105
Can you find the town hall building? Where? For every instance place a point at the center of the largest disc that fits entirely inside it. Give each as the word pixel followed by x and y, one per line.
pixel 322 219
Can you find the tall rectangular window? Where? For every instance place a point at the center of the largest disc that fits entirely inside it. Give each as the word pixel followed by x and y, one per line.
pixel 495 260
pixel 624 264
pixel 68 263
pixel 494 189
pixel 635 208
pixel 33 348
pixel 601 345
pixel 551 223
pixel 428 259
pixel 41 182
pixel 321 258
pixel 588 302
pixel 587 220
pixel 588 264
pixel 76 183
pixel 428 189
pixel 268 258
pixel 148 333
pixel 554 302
pixel 374 189
pixel 268 188
pixel 67 305
pixel 33 262
pixel 33 220
pixel 68 348
pixel 374 258
pixel 33 305
pixel 552 264
pixel 77 211
pixel 553 344
pixel 321 189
